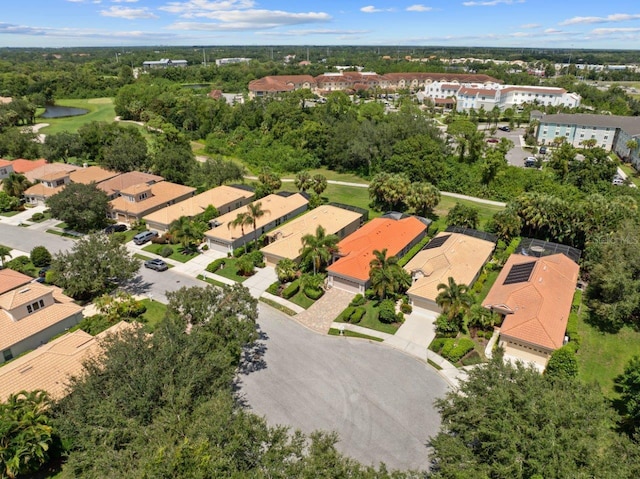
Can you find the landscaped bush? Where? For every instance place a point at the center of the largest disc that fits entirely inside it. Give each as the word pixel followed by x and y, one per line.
pixel 286 270
pixel 406 308
pixel 437 344
pixel 358 300
pixel 245 266
pixel 370 294
pixel 455 349
pixel 37 217
pixel 40 256
pixel 357 315
pixel 22 264
pixel 164 239
pixel 387 311
pixel 215 265
pixel 471 359
pixel 290 290
pixel 274 288
pixel 258 259
pixel 166 251
pixel 346 314
pixel 445 327
pixel 313 293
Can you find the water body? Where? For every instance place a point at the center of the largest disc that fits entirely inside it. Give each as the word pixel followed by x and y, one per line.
pixel 55 111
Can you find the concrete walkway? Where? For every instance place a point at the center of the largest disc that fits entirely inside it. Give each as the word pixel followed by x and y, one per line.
pixel 23 216
pixel 259 282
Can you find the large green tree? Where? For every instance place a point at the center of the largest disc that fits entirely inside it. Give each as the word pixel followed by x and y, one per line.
pixel 15 184
pixel 628 387
pixel 386 275
pixel 96 264
pixel 318 249
pixel 82 207
pixel 423 198
pixel 455 300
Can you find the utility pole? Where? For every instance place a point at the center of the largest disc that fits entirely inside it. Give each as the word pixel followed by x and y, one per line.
pixel 204 58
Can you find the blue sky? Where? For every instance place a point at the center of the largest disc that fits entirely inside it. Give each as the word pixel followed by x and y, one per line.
pixel 510 23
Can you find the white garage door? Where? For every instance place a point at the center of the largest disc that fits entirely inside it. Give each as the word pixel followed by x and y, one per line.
pixel 346 285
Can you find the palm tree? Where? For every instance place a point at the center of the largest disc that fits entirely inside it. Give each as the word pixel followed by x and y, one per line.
pixel 4 252
pixel 15 184
pixel 187 231
pixel 318 248
pixel 242 219
pixel 303 181
pixel 255 212
pixel 454 299
pixel 386 275
pixel 423 197
pixel 319 184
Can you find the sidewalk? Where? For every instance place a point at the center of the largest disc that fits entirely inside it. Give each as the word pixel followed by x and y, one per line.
pixel 23 216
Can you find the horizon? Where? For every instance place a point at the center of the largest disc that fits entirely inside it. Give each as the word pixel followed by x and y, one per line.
pixel 530 24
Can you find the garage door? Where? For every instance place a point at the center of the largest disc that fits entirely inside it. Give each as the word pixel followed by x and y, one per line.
pixel 345 284
pixel 425 304
pixel 221 248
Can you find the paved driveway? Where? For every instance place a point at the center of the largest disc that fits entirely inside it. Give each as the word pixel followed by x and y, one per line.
pixel 379 400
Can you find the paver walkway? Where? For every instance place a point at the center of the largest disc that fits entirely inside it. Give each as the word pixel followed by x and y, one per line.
pixel 322 313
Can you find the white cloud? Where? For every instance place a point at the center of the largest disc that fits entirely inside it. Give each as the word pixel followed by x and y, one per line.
pixel 530 25
pixel 370 9
pixel 609 31
pixel 123 1
pixel 128 13
pixel 196 6
pixel 491 3
pixel 241 20
pixel 319 31
pixel 419 8
pixel 616 17
pixel 553 31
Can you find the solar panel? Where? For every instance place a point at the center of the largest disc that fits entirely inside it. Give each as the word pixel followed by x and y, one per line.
pixel 437 242
pixel 520 273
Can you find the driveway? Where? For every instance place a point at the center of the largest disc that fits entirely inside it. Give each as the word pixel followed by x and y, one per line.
pixel 379 400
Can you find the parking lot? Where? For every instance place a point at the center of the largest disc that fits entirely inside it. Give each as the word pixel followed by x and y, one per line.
pixel 517 154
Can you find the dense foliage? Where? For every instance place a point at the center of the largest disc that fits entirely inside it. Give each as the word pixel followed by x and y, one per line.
pixel 82 207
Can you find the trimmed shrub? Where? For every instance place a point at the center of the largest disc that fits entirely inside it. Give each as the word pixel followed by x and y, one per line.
pixel 166 251
pixel 274 288
pixel 245 266
pixel 313 293
pixel 358 300
pixel 437 344
pixel 387 311
pixel 258 259
pixel 471 359
pixel 20 264
pixel 40 256
pixel 370 294
pixel 216 265
pixel 346 314
pixel 290 290
pixel 446 327
pixel 455 349
pixel 160 239
pixel 37 217
pixel 238 252
pixel 406 308
pixel 357 315
pixel 205 247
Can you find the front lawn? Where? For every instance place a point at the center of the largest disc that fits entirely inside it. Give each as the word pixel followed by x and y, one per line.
pixel 299 299
pixel 9 213
pixel 370 319
pixel 177 255
pixel 230 270
pixel 153 315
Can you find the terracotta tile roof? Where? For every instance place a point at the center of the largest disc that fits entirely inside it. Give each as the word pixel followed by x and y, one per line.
pixel 288 238
pixel 50 366
pixel 15 331
pixel 118 183
pixel 42 191
pixel 476 91
pixel 460 257
pixel 278 83
pixel 43 172
pixel 91 174
pixel 10 279
pixel 538 308
pixel 276 205
pixel 20 296
pixel 5 162
pixel 357 248
pixel 218 197
pixel 23 166
pixel 161 193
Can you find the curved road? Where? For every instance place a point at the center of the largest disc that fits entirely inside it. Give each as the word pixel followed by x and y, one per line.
pixel 380 401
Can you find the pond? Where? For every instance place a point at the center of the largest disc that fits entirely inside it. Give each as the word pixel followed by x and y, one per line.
pixel 54 111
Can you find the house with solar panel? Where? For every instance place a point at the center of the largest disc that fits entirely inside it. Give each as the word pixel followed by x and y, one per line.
pixel 533 293
pixel 458 253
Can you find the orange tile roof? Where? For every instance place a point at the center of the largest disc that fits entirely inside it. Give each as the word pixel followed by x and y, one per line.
pixel 55 169
pixel 5 162
pixel 20 296
pixel 380 233
pixel 125 180
pixel 162 193
pixel 41 190
pixel 538 309
pixel 91 174
pixel 23 166
pixel 50 366
pixel 10 279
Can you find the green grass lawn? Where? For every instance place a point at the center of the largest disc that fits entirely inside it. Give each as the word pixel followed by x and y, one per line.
pixel 370 320
pixel 230 271
pixel 9 213
pixel 62 225
pixel 177 255
pixel 447 202
pixel 278 306
pixel 491 278
pixel 100 109
pixel 211 281
pixel 631 173
pixel 154 314
pixel 142 257
pixel 301 300
pixel 353 334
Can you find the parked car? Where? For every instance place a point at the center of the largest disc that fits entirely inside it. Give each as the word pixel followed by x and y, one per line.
pixel 618 180
pixel 504 128
pixel 157 264
pixel 142 238
pixel 543 150
pixel 530 162
pixel 492 140
pixel 117 228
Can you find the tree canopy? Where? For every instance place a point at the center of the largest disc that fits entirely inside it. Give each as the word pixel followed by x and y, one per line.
pixel 82 207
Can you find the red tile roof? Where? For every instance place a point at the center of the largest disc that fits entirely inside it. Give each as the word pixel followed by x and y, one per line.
pixel 22 166
pixel 380 233
pixel 538 308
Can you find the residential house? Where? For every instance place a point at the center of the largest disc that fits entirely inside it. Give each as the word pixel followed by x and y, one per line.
pixel 51 179
pixel 31 314
pixel 51 365
pixel 45 170
pixel 140 200
pixel 273 85
pixel 223 198
pixel 397 234
pixel 534 296
pixel 113 186
pixel 6 168
pixel 278 208
pixel 611 132
pixel 10 279
pixel 91 174
pixel 23 166
pixel 458 255
pixel 286 241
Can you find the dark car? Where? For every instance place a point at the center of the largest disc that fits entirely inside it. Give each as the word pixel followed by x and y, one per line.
pixel 118 228
pixel 543 150
pixel 157 264
pixel 504 128
pixel 492 140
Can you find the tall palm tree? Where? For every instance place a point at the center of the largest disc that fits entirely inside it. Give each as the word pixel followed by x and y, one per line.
pixel 15 184
pixel 303 181
pixel 386 275
pixel 255 212
pixel 242 219
pixel 318 248
pixel 454 299
pixel 187 231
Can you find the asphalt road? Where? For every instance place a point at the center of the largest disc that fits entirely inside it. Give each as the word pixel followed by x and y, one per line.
pixel 379 400
pixel 25 239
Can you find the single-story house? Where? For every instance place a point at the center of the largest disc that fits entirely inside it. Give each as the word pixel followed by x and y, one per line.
pixel 398 234
pixel 223 198
pixel 278 208
pixel 23 166
pixel 50 366
pixel 448 255
pixel 113 186
pixel 137 201
pixel 286 241
pixel 91 174
pixel 534 295
pixel 32 314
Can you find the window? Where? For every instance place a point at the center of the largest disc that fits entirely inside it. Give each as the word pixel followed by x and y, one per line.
pixel 59 182
pixel 606 137
pixel 7 354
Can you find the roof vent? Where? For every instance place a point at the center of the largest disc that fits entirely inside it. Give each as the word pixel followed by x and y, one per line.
pixel 23 290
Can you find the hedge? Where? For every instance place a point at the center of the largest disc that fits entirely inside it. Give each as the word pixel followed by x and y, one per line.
pixel 346 314
pixel 414 251
pixel 166 251
pixel 313 293
pixel 455 349
pixel 274 288
pixel 357 315
pixel 358 300
pixel 290 290
pixel 215 265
